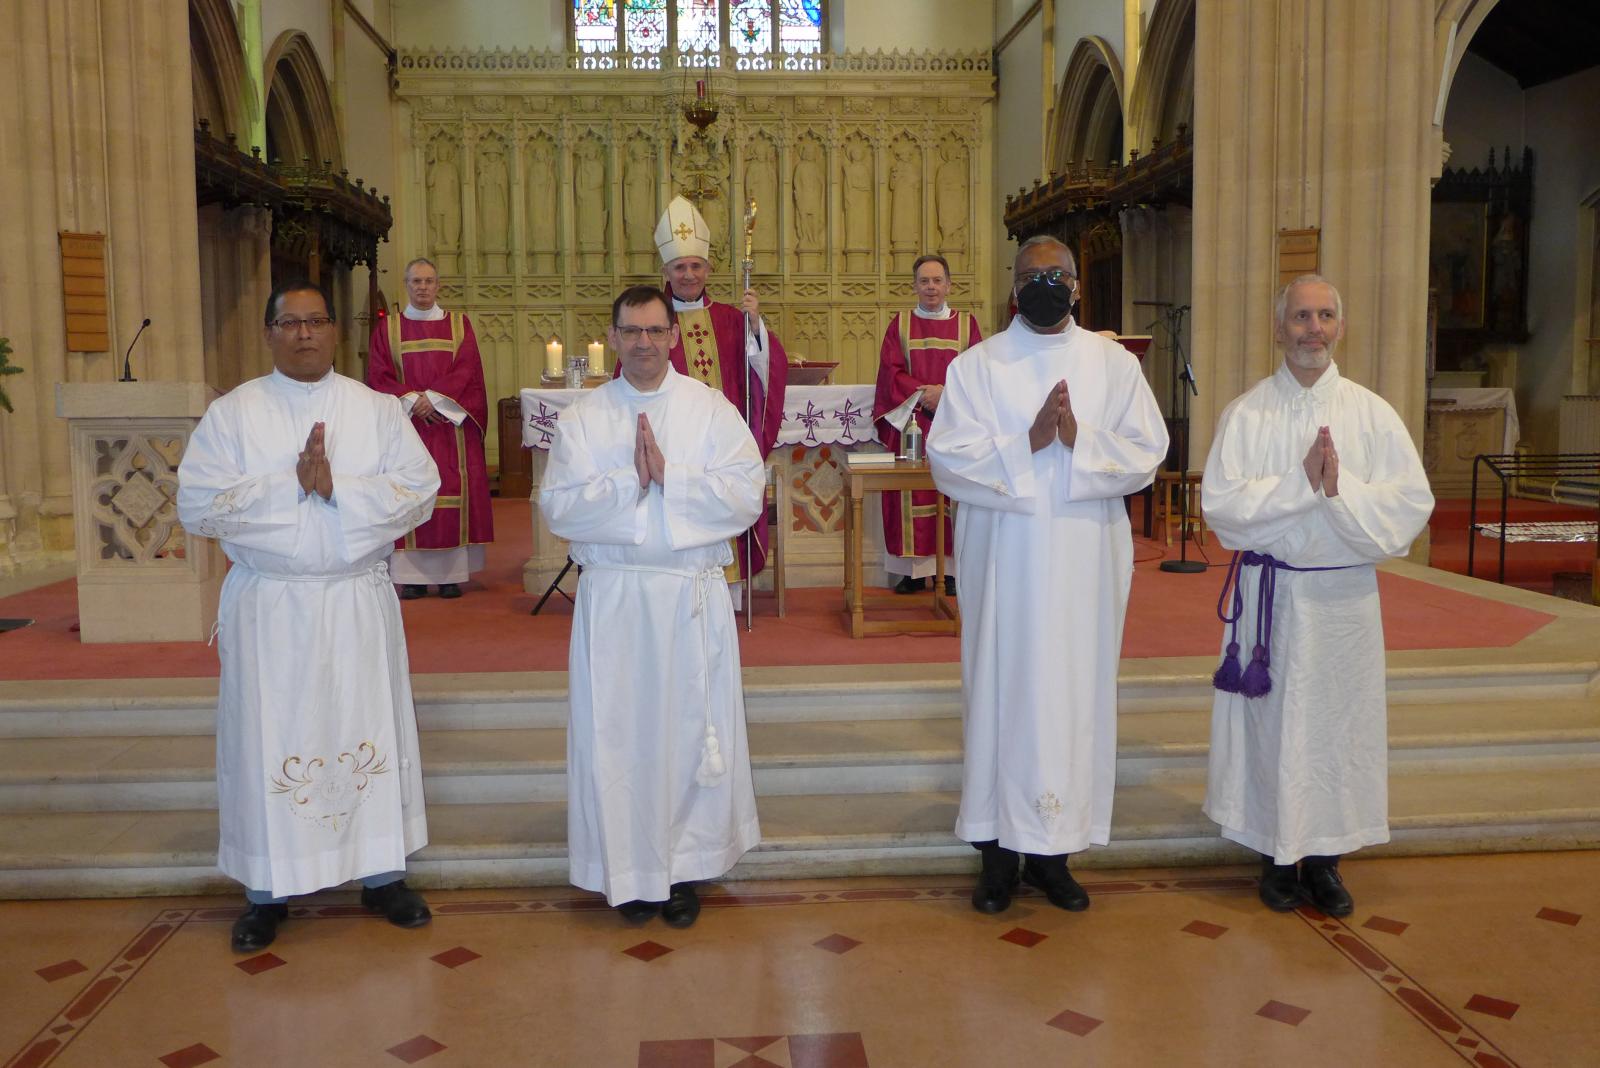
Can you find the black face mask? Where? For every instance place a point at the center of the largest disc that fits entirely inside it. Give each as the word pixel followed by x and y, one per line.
pixel 1045 305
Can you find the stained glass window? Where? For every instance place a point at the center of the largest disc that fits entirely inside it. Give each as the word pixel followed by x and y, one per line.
pixel 646 25
pixel 699 27
pixel 594 25
pixel 800 25
pixel 751 29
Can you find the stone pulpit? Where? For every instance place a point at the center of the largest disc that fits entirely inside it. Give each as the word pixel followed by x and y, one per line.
pixel 141 576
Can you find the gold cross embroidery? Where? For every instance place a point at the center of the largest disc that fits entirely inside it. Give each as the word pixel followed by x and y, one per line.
pixel 684 231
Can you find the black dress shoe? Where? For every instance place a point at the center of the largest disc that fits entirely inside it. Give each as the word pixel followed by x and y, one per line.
pixel 637 912
pixel 411 593
pixel 949 585
pixel 683 907
pixel 1050 874
pixel 449 591
pixel 400 905
pixel 1280 888
pixel 1326 890
pixel 910 585
pixel 997 880
pixel 255 930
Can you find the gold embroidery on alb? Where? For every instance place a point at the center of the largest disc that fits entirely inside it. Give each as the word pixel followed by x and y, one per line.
pixel 329 795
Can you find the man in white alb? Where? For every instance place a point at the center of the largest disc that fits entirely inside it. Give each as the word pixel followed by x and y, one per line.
pixel 1041 431
pixel 1312 480
pixel 306 478
pixel 650 477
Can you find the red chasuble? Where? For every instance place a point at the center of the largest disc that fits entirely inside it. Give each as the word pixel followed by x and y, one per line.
pixel 441 355
pixel 710 349
pixel 915 353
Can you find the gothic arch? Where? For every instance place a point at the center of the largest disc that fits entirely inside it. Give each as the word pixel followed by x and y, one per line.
pixel 1163 87
pixel 300 122
pixel 1465 16
pixel 1089 107
pixel 222 88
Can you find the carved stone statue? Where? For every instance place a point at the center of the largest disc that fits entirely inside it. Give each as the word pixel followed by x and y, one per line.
pixel 761 182
pixel 858 217
pixel 950 198
pixel 539 194
pixel 639 200
pixel 905 198
pixel 594 211
pixel 494 193
pixel 810 199
pixel 444 196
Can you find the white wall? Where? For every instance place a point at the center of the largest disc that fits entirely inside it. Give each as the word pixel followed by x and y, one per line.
pixel 1075 21
pixel 913 25
pixel 1487 109
pixel 475 24
pixel 1019 149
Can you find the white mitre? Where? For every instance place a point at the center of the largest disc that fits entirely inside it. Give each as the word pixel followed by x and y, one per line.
pixel 682 231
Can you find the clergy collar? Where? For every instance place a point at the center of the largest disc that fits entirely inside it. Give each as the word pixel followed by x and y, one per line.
pixel 1072 324
pixel 283 381
pixel 433 314
pixel 688 305
pixel 631 390
pixel 943 312
pixel 1320 388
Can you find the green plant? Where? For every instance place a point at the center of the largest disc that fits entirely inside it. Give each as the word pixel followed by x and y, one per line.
pixel 6 368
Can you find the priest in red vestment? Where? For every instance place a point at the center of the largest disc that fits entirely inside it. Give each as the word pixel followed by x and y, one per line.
pixel 428 357
pixel 917 349
pixel 721 345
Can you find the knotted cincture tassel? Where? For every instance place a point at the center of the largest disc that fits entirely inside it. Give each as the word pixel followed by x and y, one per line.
pixel 1227 675
pixel 712 767
pixel 1257 679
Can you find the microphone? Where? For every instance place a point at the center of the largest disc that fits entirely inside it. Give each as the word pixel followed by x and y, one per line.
pixel 127 368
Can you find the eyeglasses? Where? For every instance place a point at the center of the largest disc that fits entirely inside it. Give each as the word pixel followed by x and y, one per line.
pixel 292 326
pixel 656 334
pixel 1053 277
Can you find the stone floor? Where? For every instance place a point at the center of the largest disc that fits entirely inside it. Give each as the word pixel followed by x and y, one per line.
pixel 1486 960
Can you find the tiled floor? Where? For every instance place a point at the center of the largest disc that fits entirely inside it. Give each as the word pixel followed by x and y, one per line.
pixel 1486 960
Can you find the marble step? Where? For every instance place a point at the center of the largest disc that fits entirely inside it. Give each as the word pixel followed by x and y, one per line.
pixel 137 853
pixel 872 756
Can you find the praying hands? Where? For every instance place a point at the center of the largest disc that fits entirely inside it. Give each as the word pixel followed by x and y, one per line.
pixel 1055 421
pixel 1322 464
pixel 647 458
pixel 312 468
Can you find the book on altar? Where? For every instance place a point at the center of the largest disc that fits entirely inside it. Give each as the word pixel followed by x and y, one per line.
pixel 869 459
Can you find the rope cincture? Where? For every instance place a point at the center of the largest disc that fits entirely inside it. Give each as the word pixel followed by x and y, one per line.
pixel 1255 680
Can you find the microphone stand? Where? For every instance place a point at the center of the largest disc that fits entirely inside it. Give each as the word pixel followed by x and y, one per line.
pixel 127 357
pixel 1172 320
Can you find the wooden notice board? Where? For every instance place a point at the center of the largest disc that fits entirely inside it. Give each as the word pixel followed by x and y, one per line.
pixel 83 283
pixel 1298 253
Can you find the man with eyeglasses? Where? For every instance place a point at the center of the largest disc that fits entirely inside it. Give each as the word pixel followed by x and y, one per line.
pixel 916 352
pixel 650 476
pixel 306 478
pixel 1312 480
pixel 728 348
pixel 1042 430
pixel 428 357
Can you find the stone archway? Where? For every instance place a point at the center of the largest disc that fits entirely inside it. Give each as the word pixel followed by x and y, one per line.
pixel 1163 86
pixel 223 97
pixel 301 128
pixel 1089 115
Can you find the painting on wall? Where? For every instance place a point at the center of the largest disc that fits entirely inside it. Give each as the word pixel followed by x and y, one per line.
pixel 1458 263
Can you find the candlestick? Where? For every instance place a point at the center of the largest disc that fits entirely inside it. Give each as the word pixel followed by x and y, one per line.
pixel 597 357
pixel 552 358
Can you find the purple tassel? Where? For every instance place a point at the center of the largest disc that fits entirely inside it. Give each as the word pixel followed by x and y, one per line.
pixel 1227 677
pixel 1256 680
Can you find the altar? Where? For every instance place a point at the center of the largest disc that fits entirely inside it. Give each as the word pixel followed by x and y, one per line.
pixel 821 425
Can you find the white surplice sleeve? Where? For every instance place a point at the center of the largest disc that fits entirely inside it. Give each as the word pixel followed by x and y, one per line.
pixel 1121 457
pixel 217 499
pixel 376 509
pixel 714 500
pixel 583 503
pixel 1382 515
pixel 974 460
pixel 1247 511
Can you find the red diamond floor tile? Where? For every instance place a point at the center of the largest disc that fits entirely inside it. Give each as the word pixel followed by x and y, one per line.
pixel 1386 925
pixel 648 951
pixel 455 958
pixel 1559 916
pixel 264 963
pixel 837 943
pixel 1021 936
pixel 1283 1013
pixel 841 1050
pixel 1470 1043
pixel 1492 1006
pixel 191 1056
pixel 415 1049
pixel 1075 1023
pixel 1205 930
pixel 679 1053
pixel 60 970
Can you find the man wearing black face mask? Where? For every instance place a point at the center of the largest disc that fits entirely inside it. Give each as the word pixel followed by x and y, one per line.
pixel 1041 431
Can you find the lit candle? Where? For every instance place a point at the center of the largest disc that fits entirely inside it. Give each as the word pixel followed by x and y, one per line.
pixel 597 357
pixel 552 358
pixel 700 90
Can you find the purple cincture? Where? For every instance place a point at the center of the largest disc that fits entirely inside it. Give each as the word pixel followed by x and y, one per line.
pixel 1255 680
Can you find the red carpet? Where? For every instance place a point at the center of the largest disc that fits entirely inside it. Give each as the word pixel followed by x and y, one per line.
pixel 1529 565
pixel 490 630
